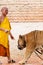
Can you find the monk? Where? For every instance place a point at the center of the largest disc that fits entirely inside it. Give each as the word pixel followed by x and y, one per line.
pixel 4 33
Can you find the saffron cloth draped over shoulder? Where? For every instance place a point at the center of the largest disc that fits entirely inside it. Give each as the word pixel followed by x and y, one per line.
pixel 3 35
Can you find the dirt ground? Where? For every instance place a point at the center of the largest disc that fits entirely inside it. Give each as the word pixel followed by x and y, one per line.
pixel 17 55
pixel 34 60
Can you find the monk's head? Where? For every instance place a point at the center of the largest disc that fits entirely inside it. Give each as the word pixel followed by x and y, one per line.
pixel 4 11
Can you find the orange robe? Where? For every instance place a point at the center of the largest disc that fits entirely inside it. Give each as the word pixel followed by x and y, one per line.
pixel 4 37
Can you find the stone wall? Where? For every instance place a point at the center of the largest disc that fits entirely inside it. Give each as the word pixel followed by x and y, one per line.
pixel 24 10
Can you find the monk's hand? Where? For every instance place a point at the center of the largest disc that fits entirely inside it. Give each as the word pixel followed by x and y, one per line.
pixel 6 31
pixel 12 37
pixel 2 29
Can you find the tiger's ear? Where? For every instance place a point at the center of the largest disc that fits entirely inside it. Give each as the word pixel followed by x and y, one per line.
pixel 20 36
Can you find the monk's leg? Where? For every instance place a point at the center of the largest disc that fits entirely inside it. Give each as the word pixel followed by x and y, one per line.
pixel 8 55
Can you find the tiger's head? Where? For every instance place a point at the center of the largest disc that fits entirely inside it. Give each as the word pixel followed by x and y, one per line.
pixel 21 42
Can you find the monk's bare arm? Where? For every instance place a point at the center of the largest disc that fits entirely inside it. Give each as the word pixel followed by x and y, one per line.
pixel 0 19
pixel 11 36
pixel 7 31
pixel 3 30
pixel 0 24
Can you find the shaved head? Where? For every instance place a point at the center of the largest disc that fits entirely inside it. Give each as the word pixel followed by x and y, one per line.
pixel 4 11
pixel 4 8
